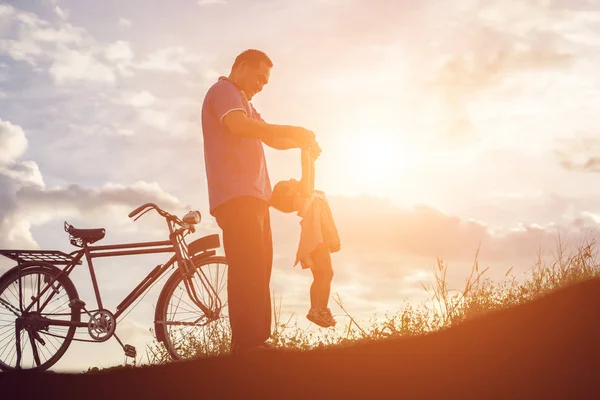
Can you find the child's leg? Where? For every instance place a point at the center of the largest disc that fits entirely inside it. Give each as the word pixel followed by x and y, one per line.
pixel 322 277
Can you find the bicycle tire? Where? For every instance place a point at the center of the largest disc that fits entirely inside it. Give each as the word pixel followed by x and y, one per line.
pixel 203 338
pixel 8 320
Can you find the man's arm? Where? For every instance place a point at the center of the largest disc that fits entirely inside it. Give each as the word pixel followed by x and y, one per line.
pixel 280 137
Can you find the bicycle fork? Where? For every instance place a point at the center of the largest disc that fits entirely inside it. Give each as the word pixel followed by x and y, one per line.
pixel 214 306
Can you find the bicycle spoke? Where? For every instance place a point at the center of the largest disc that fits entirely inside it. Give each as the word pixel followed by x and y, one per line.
pixel 14 293
pixel 41 343
pixel 6 345
pixel 7 332
pixel 49 341
pixel 63 304
pixel 189 331
pixel 186 303
pixel 186 309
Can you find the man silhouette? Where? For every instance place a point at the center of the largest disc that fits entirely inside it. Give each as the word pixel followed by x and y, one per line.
pixel 239 190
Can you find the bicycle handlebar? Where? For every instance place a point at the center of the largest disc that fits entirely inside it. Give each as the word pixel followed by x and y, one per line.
pixel 140 208
pixel 160 211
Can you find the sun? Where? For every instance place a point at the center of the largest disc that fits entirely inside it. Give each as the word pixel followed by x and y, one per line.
pixel 374 160
pixel 371 156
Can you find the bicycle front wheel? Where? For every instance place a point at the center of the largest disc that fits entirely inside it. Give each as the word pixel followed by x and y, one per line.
pixel 37 338
pixel 185 330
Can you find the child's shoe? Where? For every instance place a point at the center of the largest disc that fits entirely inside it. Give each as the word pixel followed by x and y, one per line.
pixel 314 315
pixel 326 315
pixel 321 317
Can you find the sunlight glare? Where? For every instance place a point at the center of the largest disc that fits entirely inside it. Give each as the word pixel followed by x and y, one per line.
pixel 374 161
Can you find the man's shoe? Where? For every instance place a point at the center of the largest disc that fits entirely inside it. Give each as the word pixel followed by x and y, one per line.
pixel 263 347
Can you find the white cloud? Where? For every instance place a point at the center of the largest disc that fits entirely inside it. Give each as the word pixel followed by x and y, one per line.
pixel 204 3
pixel 126 132
pixel 12 142
pixel 25 201
pixel 102 130
pixel 169 59
pixel 177 117
pixel 139 99
pixel 6 10
pixel 63 14
pixel 72 65
pixel 119 51
pixel 155 118
pixel 124 22
pixel 69 53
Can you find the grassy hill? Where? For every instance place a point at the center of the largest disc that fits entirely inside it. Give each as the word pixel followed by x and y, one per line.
pixel 537 339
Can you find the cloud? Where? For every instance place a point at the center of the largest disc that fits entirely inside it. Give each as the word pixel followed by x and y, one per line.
pixel 368 224
pixel 493 59
pixel 387 251
pixel 71 53
pixel 169 59
pixel 25 200
pixel 12 142
pixel 580 154
pixel 204 3
pixel 178 117
pixel 139 99
pixel 119 51
pixel 124 22
pixel 63 14
pixel 73 65
pixel 457 54
pixel 67 52
pixel 155 118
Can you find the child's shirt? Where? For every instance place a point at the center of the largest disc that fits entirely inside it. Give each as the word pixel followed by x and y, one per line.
pixel 318 229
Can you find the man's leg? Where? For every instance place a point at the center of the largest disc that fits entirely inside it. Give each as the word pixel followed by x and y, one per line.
pixel 243 223
pixel 268 265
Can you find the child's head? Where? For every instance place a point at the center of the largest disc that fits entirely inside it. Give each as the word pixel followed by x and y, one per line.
pixel 284 196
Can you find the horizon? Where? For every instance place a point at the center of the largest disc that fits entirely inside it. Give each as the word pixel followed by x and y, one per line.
pixel 447 130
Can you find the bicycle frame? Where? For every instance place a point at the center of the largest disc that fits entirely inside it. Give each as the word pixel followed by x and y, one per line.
pixel 90 252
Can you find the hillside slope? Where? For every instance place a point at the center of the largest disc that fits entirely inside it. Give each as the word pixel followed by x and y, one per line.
pixel 548 348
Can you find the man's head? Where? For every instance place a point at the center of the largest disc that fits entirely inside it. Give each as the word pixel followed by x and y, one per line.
pixel 285 196
pixel 251 70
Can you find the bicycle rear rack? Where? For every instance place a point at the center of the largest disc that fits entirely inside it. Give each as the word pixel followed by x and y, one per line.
pixel 55 257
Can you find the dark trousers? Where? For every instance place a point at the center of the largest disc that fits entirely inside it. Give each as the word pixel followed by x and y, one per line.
pixel 246 225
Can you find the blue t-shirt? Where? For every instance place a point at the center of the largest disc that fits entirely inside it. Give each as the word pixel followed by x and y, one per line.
pixel 235 166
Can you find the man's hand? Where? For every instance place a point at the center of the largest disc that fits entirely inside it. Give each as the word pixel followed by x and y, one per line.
pixel 305 139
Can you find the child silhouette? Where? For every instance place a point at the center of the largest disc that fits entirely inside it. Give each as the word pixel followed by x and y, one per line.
pixel 318 238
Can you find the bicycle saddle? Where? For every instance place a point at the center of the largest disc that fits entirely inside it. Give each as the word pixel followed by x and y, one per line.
pixel 87 235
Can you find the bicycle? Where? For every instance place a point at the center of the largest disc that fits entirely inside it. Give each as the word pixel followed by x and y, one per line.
pixel 40 309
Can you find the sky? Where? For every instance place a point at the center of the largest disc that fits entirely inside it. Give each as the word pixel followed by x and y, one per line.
pixel 446 127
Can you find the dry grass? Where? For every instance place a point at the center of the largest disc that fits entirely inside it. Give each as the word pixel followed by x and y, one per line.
pixel 446 308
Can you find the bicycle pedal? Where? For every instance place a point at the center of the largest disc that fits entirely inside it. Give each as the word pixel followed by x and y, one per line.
pixel 130 351
pixel 76 303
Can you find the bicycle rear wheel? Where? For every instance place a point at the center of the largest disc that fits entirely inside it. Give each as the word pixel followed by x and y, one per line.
pixel 29 340
pixel 185 330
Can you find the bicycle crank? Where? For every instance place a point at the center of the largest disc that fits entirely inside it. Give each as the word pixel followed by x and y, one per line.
pixel 102 325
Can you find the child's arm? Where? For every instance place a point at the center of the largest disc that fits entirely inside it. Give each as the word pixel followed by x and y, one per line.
pixel 307 183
